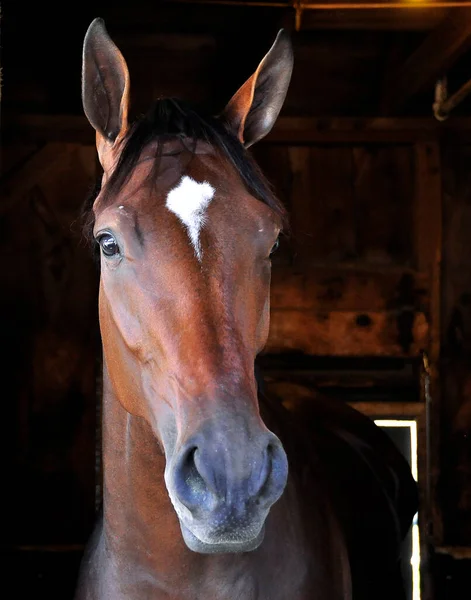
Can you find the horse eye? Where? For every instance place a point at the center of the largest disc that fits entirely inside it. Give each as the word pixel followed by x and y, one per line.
pixel 275 246
pixel 108 244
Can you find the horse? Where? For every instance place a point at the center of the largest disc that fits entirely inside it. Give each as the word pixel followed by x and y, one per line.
pixel 211 489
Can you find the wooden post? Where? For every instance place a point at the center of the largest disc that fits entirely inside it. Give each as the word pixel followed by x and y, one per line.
pixel 428 236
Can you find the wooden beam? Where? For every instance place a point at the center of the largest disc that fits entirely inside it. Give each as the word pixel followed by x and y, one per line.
pixel 457 552
pixel 341 333
pixel 352 289
pixel 335 130
pixel 48 163
pixel 40 166
pixel 396 410
pixel 39 128
pixel 428 231
pixel 222 19
pixel 419 19
pixel 428 252
pixel 441 48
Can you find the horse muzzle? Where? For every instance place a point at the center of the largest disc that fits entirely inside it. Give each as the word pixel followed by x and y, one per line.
pixel 222 485
pixel 225 544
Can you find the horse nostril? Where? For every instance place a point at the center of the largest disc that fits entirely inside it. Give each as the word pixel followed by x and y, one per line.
pixel 190 486
pixel 261 476
pixel 206 477
pixel 274 474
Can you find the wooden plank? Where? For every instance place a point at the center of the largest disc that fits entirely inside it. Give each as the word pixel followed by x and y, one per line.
pixel 428 230
pixel 37 128
pixel 342 333
pixel 221 18
pixel 344 289
pixel 453 498
pixel 442 47
pixel 321 206
pixel 396 410
pixel 456 258
pixel 302 214
pixel 335 131
pixel 458 552
pixel 428 202
pixel 373 384
pixel 15 156
pixel 366 130
pixel 419 19
pixel 44 165
pixel 428 248
pixel 166 42
pixel 384 190
pixel 331 202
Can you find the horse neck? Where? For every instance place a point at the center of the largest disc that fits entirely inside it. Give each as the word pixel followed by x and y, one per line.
pixel 142 534
pixel 136 507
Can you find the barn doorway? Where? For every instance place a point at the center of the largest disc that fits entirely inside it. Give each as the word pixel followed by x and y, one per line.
pixel 403 432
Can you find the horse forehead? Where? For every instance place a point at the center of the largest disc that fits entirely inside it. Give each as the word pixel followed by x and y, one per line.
pixel 188 201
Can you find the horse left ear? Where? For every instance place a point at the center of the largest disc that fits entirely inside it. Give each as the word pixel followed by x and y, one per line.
pixel 105 87
pixel 254 108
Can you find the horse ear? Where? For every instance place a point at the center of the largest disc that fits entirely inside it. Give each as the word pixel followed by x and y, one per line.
pixel 254 108
pixel 105 86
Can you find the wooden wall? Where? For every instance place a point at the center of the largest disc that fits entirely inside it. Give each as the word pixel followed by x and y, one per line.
pixel 50 350
pixel 355 276
pixel 455 413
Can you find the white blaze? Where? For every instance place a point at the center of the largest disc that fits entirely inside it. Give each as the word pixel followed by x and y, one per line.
pixel 189 201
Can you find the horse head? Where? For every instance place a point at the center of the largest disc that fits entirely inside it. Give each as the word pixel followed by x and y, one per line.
pixel 186 225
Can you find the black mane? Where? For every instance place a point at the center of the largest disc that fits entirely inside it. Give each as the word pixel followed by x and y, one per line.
pixel 169 118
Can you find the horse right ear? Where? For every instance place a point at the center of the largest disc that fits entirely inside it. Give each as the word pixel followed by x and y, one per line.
pixel 105 88
pixel 254 108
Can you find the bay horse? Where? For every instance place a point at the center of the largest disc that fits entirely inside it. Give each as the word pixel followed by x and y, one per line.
pixel 211 490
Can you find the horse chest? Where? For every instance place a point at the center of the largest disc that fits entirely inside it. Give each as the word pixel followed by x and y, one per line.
pixel 217 578
pixel 243 587
pixel 247 584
